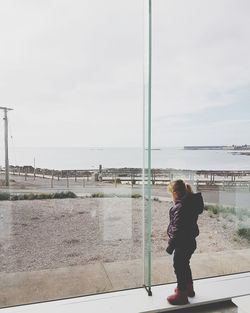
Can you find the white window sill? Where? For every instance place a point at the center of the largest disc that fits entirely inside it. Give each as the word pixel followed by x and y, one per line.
pixel 208 291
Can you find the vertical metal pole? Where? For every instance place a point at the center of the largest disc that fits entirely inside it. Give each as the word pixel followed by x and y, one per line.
pixel 144 141
pixel 7 182
pixel 52 179
pixel 147 142
pixel 149 215
pixel 34 168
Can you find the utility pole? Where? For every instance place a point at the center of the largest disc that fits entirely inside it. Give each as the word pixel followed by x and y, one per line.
pixel 7 180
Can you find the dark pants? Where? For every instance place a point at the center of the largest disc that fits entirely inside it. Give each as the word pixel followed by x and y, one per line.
pixel 182 256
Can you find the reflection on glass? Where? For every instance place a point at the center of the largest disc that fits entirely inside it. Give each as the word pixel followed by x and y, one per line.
pixel 224 225
pixel 69 233
pixel 71 221
pixel 200 125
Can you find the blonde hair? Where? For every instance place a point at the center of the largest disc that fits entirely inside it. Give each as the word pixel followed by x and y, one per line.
pixel 179 188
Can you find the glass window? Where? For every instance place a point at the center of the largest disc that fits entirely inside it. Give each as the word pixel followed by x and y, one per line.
pixel 200 122
pixel 83 186
pixel 71 217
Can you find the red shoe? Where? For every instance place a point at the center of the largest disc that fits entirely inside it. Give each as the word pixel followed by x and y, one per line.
pixel 190 290
pixel 178 298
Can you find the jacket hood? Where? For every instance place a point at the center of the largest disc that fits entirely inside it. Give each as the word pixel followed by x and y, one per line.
pixel 195 201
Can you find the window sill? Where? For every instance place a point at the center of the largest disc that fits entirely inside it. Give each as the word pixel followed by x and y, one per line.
pixel 209 290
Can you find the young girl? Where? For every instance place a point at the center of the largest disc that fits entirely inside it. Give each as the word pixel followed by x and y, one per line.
pixel 182 231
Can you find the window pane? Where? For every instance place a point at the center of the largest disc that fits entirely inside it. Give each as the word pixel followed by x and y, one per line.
pixel 201 102
pixel 71 221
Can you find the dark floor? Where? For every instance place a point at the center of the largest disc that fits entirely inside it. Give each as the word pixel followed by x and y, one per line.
pixel 225 307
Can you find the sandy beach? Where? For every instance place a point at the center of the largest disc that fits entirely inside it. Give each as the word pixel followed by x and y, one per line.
pixel 57 248
pixel 48 234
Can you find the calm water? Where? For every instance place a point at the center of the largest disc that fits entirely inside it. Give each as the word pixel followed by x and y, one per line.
pixel 90 158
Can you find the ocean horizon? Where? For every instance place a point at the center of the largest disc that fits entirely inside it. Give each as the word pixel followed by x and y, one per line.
pixel 80 158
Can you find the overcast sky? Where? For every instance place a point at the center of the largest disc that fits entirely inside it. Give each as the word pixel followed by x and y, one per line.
pixel 73 72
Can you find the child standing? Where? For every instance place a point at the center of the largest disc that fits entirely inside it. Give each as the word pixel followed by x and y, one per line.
pixel 182 231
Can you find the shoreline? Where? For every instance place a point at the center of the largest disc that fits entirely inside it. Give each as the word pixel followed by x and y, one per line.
pixel 29 169
pixel 199 179
pixel 175 158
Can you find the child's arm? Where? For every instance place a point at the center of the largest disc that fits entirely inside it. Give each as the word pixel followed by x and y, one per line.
pixel 176 226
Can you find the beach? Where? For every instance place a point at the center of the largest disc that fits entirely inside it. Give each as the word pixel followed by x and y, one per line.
pixel 53 248
pixel 48 234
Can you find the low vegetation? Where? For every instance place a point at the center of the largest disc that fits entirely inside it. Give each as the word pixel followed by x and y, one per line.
pixel 244 233
pixel 239 212
pixel 240 215
pixel 136 196
pixel 4 196
pixel 97 195
pixel 102 195
pixel 36 196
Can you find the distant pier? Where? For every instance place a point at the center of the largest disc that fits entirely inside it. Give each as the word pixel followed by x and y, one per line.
pixel 222 179
pixel 233 147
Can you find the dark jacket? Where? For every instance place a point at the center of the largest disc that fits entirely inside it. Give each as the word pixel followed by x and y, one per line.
pixel 183 228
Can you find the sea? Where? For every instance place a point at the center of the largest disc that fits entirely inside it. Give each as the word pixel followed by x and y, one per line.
pixel 79 158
